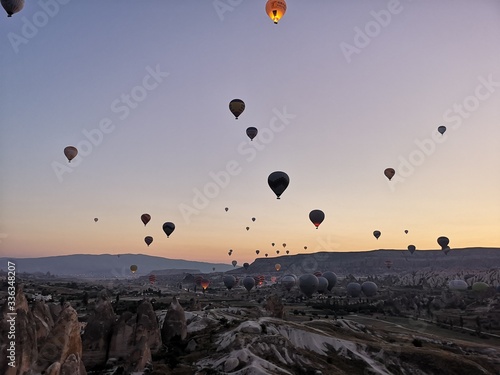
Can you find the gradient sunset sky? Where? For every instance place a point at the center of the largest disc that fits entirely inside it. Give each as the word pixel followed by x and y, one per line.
pixel 339 90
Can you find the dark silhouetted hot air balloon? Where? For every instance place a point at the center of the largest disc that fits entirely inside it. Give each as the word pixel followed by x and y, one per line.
pixel 288 281
pixel 388 263
pixel 332 279
pixel 133 268
pixel 377 234
pixel 12 6
pixel 145 218
pixel 277 251
pixel 248 283
pixel 369 288
pixel 148 240
pixel 308 284
pixel 284 245
pixel 389 173
pixel 246 265
pixel 353 289
pixel 70 152
pixel 275 9
pixel 322 284
pixel 278 182
pixel 96 219
pixel 443 242
pixel 257 252
pixel 252 132
pixel 411 248
pixel 272 243
pixel 253 219
pixel 236 106
pixel 229 281
pixel 305 247
pixel 441 129
pixel 406 231
pixel 266 254
pixel 288 251
pixel 248 228
pixel 234 263
pixel 168 228
pixel 316 217
pixel 227 209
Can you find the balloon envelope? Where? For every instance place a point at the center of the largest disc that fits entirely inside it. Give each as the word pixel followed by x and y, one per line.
pixel 275 9
pixel 234 263
pixel 406 231
pixel 252 132
pixel 389 173
pixel 377 234
pixel 96 219
pixel 316 217
pixel 70 152
pixel 246 265
pixel 248 282
pixel 13 6
pixel 257 252
pixel 168 228
pixel 369 288
pixel 229 281
pixel 457 285
pixel 308 284
pixel 442 129
pixel 443 242
pixel 353 289
pixel 332 279
pixel 133 268
pixel 236 106
pixel 288 281
pixel 479 286
pixel 411 248
pixel 205 283
pixel 145 218
pixel 148 240
pixel 322 284
pixel 277 266
pixel 278 182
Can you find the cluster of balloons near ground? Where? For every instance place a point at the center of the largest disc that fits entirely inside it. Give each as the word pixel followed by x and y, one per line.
pixel 391 172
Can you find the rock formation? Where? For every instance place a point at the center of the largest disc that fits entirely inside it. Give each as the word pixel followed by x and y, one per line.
pixel 174 323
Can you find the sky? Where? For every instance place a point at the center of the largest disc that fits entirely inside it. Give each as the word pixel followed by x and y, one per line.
pixel 339 90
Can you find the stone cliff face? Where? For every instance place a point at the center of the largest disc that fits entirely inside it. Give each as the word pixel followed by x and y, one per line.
pixel 98 331
pixel 174 323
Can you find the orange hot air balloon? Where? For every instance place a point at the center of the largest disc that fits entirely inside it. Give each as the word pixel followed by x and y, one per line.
pixel 275 9
pixel 145 218
pixel 389 173
pixel 70 152
pixel 204 284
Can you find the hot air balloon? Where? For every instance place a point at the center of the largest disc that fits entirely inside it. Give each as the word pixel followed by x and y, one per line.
pixel 322 284
pixel 411 248
pixel 168 228
pixel 133 268
pixel 305 247
pixel 246 265
pixel 377 234
pixel 332 279
pixel 12 6
pixel 389 173
pixel 277 266
pixel 480 286
pixel 288 281
pixel 236 106
pixel 226 209
pixel 234 263
pixel 443 242
pixel 277 251
pixel 388 264
pixel 272 243
pixel 70 152
pixel 317 273
pixel 213 269
pixel 253 219
pixel 204 284
pixel 353 289
pixel 406 231
pixel 457 285
pixel 229 281
pixel 145 218
pixel 248 283
pixel 248 228
pixel 308 284
pixel 288 251
pixel 266 254
pixel 257 252
pixel 369 288
pixel 148 240
pixel 441 129
pixel 152 279
pixel 316 217
pixel 278 182
pixel 96 219
pixel 284 245
pixel 275 9
pixel 252 132
pixel 446 250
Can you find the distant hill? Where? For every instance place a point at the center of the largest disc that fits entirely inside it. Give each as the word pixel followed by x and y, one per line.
pixel 107 265
pixel 373 262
